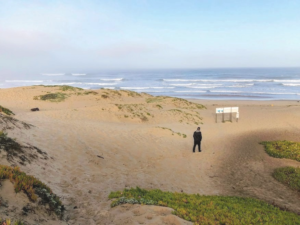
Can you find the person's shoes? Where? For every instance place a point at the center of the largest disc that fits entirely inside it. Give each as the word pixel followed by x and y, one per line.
pixel 200 151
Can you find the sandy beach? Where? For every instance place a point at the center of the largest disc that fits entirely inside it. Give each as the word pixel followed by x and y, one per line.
pixel 109 140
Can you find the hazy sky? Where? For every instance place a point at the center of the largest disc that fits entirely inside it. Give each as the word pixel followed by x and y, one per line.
pixel 81 36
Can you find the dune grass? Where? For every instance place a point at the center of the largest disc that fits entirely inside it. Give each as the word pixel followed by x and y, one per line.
pixel 283 149
pixel 289 176
pixel 64 87
pixel 173 132
pixel 206 210
pixel 32 187
pixel 52 97
pixel 6 111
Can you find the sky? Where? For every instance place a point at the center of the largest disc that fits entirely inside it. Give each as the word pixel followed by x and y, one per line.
pixel 82 36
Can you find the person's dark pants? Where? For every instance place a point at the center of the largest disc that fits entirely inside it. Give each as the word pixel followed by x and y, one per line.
pixel 199 145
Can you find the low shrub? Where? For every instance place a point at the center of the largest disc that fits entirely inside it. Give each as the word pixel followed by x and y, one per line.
pixel 283 149
pixel 32 187
pixel 206 210
pixel 53 97
pixel 289 176
pixel 6 111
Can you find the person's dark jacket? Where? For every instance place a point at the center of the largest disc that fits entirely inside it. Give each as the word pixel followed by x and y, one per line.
pixel 197 136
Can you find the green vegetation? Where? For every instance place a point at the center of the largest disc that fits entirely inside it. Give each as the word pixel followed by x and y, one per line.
pixel 283 149
pixel 32 186
pixel 195 118
pixel 64 87
pixel 289 176
pixel 173 132
pixel 208 210
pixel 8 222
pixel 135 110
pixel 131 93
pixel 52 97
pixel 159 106
pixel 178 102
pixel 6 111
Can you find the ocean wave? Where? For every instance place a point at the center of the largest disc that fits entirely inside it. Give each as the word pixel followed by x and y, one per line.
pixel 24 81
pixel 287 81
pixel 109 87
pixel 191 91
pixel 83 83
pixel 226 91
pixel 290 84
pixel 222 80
pixel 182 84
pixel 275 93
pixel 134 88
pixel 111 79
pixel 53 74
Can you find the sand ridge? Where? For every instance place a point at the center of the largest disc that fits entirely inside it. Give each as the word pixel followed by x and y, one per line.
pixel 138 152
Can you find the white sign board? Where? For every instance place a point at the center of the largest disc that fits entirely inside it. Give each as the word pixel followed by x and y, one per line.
pixel 227 110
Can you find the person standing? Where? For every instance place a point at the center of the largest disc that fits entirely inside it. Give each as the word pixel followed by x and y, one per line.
pixel 197 139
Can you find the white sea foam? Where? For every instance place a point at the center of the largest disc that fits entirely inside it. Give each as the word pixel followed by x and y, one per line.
pixel 226 91
pixel 109 87
pixel 274 93
pixel 189 84
pixel 53 74
pixel 291 84
pixel 288 81
pixel 221 80
pixel 24 81
pixel 191 91
pixel 134 88
pixel 111 79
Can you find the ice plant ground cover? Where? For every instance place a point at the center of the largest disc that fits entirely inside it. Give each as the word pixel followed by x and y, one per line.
pixel 203 210
pixel 283 149
pixel 289 176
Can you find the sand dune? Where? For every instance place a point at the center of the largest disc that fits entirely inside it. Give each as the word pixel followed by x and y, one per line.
pixel 126 129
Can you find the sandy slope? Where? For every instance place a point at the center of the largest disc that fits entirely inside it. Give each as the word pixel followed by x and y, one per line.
pixel 139 153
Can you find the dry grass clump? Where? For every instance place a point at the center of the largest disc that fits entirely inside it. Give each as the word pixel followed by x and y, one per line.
pixel 283 149
pixel 289 176
pixel 32 187
pixel 6 111
pixel 52 97
pixel 173 132
pixel 208 210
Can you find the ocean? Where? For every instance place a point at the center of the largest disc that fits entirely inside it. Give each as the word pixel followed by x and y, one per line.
pixel 217 84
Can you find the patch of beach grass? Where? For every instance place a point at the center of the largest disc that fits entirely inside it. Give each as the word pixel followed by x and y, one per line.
pixel 173 132
pixel 208 210
pixel 283 149
pixel 6 111
pixel 52 97
pixel 32 188
pixel 289 176
pixel 64 87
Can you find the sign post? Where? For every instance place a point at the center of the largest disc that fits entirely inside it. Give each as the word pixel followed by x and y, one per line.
pixel 227 110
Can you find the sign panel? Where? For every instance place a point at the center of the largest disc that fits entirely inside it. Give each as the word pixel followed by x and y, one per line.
pixel 235 109
pixel 227 110
pixel 219 110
